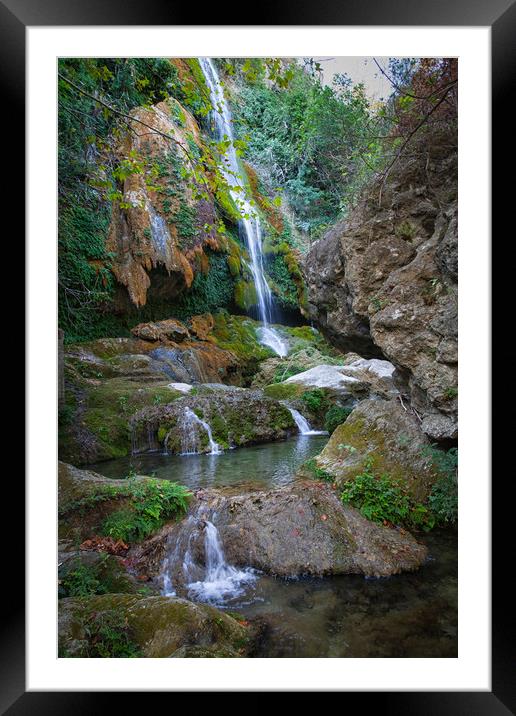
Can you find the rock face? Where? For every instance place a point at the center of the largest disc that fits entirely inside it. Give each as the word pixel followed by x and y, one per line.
pixel 384 282
pixel 358 378
pixel 235 418
pixel 299 529
pixel 384 432
pixel 169 329
pixel 150 254
pixel 157 626
pixel 109 380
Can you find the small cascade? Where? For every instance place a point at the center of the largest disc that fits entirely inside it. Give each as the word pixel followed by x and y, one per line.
pixel 250 223
pixel 303 424
pixel 190 438
pixel 143 440
pixel 214 582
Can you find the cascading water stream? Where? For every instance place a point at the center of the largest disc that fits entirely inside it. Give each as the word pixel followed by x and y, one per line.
pixel 250 226
pixel 190 442
pixel 303 424
pixel 215 582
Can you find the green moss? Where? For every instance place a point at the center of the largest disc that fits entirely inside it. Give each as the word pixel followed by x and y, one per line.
pixel 405 230
pixel 234 265
pixel 283 391
pixel 245 295
pixel 238 335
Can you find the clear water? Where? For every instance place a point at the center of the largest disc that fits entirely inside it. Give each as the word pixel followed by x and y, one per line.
pixel 270 464
pixel 250 223
pixel 408 615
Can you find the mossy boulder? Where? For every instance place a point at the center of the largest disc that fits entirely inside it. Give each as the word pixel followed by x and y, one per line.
pixel 84 573
pixel 299 529
pixel 236 418
pixel 388 434
pixel 152 627
pixel 96 424
pixel 86 500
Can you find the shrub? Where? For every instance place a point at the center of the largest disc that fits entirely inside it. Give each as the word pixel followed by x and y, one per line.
pixel 82 581
pixel 443 499
pixel 318 472
pixel 152 502
pixel 380 500
pixel 314 399
pixel 109 636
pixel 335 416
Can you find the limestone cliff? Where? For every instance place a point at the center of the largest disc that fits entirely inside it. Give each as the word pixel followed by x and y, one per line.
pixel 158 223
pixel 384 281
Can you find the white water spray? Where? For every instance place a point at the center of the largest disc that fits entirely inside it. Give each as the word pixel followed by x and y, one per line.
pixel 303 424
pixel 217 581
pixel 190 442
pixel 251 226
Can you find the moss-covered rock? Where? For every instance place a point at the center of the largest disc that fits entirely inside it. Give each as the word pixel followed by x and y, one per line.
pixel 384 432
pixel 302 528
pixel 152 627
pixel 236 418
pixel 88 502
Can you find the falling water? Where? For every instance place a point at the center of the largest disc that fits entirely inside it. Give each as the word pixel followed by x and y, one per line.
pixel 251 225
pixel 216 581
pixel 190 441
pixel 303 424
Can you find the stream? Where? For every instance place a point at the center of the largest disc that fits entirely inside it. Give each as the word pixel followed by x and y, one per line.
pixel 407 615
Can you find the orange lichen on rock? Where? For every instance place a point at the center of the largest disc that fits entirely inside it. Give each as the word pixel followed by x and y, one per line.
pixel 202 326
pixel 143 234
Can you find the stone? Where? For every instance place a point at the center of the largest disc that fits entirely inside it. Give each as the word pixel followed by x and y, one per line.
pixel 158 626
pixel 169 329
pixel 202 326
pixel 389 435
pixel 299 529
pixel 383 282
pixel 235 417
pixel 326 376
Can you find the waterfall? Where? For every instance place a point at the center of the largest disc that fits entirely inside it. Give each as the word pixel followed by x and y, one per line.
pixel 250 226
pixel 217 581
pixel 190 441
pixel 303 424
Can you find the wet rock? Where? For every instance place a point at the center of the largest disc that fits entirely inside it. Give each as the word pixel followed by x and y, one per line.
pixel 300 529
pixel 107 573
pixel 235 418
pixel 170 329
pixel 157 626
pixel 388 434
pixel 85 500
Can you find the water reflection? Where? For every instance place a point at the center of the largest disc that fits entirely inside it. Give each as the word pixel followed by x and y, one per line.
pixel 270 464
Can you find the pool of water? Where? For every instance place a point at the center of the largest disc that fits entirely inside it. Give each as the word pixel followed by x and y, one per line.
pixel 408 615
pixel 267 465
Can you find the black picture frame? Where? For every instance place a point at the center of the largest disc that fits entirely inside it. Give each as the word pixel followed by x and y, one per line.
pixel 500 15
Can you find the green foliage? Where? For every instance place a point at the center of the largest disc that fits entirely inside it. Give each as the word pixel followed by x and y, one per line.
pixel 286 289
pixel 444 497
pixel 82 581
pixel 209 291
pixel 309 138
pixel 380 500
pixel 85 279
pixel 317 472
pixel 335 415
pixel 152 501
pixel 315 400
pixel 109 636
